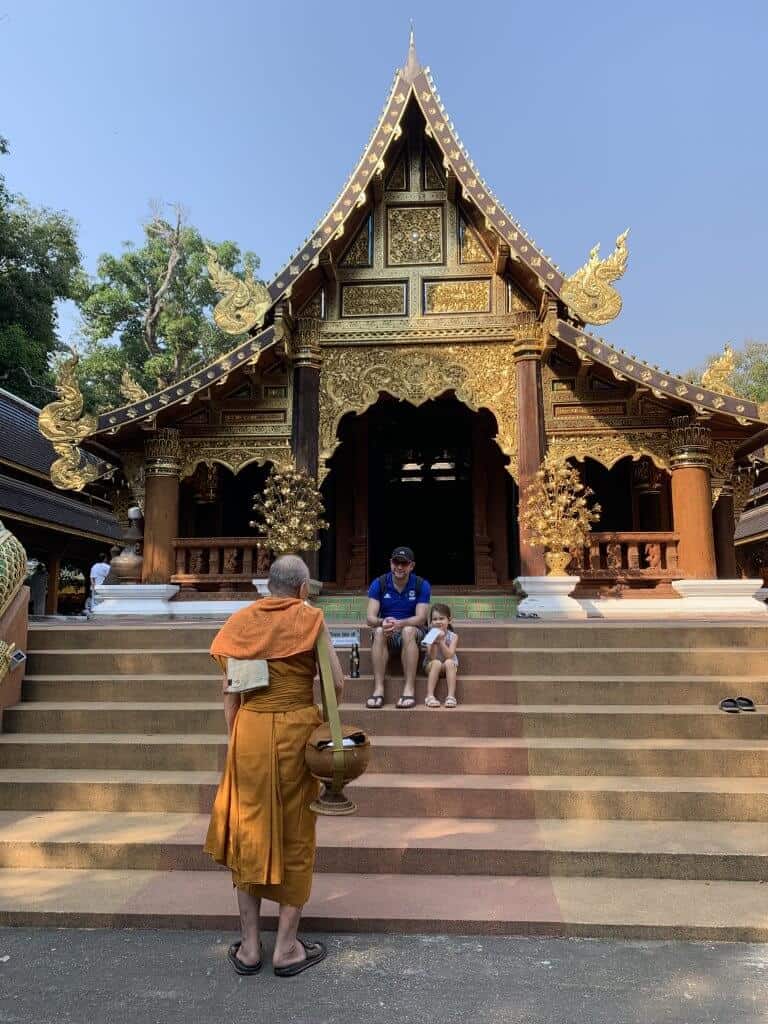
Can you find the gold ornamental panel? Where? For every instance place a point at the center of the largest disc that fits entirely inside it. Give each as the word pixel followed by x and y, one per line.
pixel 360 252
pixel 610 448
pixel 414 235
pixel 374 299
pixel 235 454
pixel 480 375
pixel 472 249
pixel 472 296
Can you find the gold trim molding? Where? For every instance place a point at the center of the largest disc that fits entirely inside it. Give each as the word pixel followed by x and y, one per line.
pixel 481 376
pixel 233 455
pixel 610 448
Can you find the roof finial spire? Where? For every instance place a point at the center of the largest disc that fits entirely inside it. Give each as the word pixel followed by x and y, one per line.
pixel 412 65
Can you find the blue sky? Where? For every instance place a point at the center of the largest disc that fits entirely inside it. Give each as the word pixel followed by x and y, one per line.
pixel 585 118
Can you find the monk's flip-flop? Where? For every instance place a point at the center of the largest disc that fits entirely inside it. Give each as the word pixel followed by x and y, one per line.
pixel 316 952
pixel 406 702
pixel 376 700
pixel 237 963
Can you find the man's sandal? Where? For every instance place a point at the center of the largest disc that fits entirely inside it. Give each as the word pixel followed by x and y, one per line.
pixel 376 700
pixel 405 702
pixel 316 952
pixel 432 702
pixel 451 702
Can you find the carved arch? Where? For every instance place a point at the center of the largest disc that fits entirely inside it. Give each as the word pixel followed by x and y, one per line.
pixel 608 449
pixel 481 375
pixel 233 458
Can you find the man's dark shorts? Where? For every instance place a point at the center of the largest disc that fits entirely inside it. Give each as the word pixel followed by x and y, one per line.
pixel 395 642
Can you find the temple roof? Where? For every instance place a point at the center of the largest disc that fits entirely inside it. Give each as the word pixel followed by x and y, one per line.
pixel 413 81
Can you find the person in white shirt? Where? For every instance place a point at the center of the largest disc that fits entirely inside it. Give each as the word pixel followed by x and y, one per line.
pixel 99 572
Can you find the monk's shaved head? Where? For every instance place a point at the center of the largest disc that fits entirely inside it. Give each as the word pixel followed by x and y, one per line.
pixel 286 575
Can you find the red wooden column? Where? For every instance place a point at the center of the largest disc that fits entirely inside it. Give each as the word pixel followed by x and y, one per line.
pixel 162 468
pixel 530 440
pixel 52 591
pixel 306 408
pixel 691 446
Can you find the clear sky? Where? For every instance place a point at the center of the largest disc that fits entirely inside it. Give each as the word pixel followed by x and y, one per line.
pixel 584 118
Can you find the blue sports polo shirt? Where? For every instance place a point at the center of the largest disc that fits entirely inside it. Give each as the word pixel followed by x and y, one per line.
pixel 399 605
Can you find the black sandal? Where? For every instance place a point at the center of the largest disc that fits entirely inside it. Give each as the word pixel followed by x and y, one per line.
pixel 376 700
pixel 319 953
pixel 730 705
pixel 406 702
pixel 745 704
pixel 237 963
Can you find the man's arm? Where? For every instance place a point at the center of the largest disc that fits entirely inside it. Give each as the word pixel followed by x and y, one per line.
pixel 372 615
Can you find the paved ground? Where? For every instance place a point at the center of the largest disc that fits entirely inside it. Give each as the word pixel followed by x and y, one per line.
pixel 143 977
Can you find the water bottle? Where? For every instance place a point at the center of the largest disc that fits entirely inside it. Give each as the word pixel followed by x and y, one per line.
pixel 354 662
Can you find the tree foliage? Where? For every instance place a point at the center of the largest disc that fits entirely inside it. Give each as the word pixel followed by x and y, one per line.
pixel 150 310
pixel 39 265
pixel 749 377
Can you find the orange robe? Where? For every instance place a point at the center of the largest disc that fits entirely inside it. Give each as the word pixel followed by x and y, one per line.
pixel 261 826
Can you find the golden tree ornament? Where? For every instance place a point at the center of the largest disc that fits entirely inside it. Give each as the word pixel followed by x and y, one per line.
pixel 556 512
pixel 291 511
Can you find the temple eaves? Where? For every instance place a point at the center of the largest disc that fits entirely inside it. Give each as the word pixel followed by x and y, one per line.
pixel 413 80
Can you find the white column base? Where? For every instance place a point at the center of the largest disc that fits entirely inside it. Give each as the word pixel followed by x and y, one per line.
pixel 723 599
pixel 315 586
pixel 716 600
pixel 133 599
pixel 547 598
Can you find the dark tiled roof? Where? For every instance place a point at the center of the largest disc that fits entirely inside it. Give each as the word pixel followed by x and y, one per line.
pixel 54 509
pixel 753 523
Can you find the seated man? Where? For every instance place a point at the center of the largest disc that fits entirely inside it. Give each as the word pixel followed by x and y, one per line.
pixel 397 613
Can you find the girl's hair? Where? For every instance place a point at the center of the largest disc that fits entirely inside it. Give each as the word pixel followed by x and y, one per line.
pixel 441 609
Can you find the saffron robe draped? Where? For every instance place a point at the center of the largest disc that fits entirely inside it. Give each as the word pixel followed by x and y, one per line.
pixel 261 826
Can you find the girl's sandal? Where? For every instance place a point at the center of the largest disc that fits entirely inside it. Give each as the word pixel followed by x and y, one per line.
pixel 451 702
pixel 432 702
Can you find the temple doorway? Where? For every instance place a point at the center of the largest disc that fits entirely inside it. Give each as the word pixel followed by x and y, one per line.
pixel 215 502
pixel 430 477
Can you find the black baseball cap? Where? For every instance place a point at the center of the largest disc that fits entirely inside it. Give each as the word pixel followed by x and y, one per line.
pixel 405 553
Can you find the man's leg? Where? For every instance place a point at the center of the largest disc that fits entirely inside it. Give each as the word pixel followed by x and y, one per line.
pixel 288 950
pixel 410 656
pixel 250 933
pixel 379 658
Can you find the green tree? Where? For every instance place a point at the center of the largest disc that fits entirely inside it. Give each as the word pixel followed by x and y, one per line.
pixel 749 377
pixel 149 310
pixel 39 265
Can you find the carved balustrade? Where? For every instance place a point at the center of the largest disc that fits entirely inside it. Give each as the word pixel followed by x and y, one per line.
pixel 635 559
pixel 210 563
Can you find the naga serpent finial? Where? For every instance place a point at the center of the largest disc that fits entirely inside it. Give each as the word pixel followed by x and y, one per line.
pixel 130 389
pixel 62 422
pixel 717 372
pixel 245 303
pixel 588 292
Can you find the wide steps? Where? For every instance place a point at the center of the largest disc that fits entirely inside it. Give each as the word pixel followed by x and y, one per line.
pixel 451 754
pixel 593 635
pixel 500 689
pixel 458 846
pixel 490 720
pixel 527 660
pixel 516 905
pixel 380 794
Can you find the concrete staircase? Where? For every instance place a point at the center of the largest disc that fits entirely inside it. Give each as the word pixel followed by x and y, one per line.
pixel 587 785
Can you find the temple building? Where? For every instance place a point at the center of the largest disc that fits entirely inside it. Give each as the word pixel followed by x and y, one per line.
pixel 419 354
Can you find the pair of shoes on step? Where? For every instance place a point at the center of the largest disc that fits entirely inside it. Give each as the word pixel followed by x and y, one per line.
pixel 735 704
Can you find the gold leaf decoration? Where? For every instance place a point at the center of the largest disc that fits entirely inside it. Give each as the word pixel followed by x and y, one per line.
pixel 130 389
pixel 245 303
pixel 588 292
pixel 718 372
pixel 291 511
pixel 62 422
pixel 556 510
pixel 13 567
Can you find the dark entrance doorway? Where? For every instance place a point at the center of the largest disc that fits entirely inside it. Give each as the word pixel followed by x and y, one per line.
pixel 420 487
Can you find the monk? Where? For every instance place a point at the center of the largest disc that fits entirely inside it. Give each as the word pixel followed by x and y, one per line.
pixel 261 825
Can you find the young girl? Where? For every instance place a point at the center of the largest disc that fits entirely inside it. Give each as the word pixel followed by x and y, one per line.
pixel 440 657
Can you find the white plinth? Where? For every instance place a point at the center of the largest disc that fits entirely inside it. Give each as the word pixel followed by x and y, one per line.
pixel 722 599
pixel 133 599
pixel 547 598
pixel 262 588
